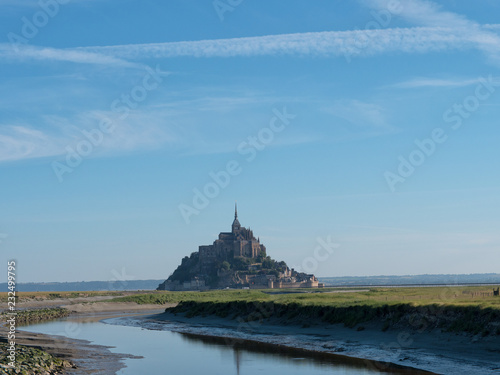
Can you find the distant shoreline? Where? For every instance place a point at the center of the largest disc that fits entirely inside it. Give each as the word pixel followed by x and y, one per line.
pixel 329 281
pixel 408 285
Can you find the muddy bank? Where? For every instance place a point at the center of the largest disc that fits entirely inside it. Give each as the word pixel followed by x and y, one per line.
pixel 430 349
pixel 72 355
pixel 470 320
pixel 30 360
pixel 78 356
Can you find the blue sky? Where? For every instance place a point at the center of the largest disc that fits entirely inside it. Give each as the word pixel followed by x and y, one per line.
pixel 371 125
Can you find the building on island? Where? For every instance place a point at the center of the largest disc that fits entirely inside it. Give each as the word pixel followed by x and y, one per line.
pixel 235 259
pixel 240 242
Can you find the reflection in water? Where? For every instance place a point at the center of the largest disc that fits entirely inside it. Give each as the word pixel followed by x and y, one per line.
pixel 166 351
pixel 237 360
pixel 298 356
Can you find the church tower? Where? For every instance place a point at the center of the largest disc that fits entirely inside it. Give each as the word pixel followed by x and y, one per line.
pixel 236 224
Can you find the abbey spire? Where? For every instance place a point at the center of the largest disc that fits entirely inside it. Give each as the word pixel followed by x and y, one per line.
pixel 236 224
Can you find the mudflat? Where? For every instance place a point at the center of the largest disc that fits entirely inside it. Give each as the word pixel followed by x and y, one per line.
pixel 434 351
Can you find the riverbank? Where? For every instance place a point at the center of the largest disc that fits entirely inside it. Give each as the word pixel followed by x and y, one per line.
pixel 459 336
pixel 29 360
pixel 78 357
pixel 431 350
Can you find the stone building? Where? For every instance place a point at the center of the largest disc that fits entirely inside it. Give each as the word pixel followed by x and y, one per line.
pixel 247 266
pixel 240 242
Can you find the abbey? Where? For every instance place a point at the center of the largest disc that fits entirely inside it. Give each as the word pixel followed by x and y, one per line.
pixel 240 242
pixel 235 259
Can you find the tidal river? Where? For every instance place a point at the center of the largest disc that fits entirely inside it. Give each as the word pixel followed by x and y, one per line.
pixel 172 349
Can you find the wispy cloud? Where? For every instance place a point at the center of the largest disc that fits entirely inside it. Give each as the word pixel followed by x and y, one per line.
pixel 140 131
pixel 329 43
pixel 20 3
pixel 429 14
pixel 425 13
pixel 36 3
pixel 361 114
pixel 22 142
pixel 495 27
pixel 184 121
pixel 27 52
pixel 422 82
pixel 204 102
pixel 436 30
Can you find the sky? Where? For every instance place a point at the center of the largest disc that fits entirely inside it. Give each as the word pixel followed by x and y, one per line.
pixel 358 138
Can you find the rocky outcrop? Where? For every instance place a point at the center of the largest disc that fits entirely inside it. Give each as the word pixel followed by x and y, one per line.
pixel 30 361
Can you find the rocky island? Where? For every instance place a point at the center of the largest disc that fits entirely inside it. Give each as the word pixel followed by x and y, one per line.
pixel 235 260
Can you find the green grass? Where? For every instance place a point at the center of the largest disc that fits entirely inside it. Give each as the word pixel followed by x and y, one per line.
pixel 161 298
pixel 39 296
pixel 456 309
pixel 452 296
pixel 30 360
pixel 420 296
pixel 37 315
pixel 468 319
